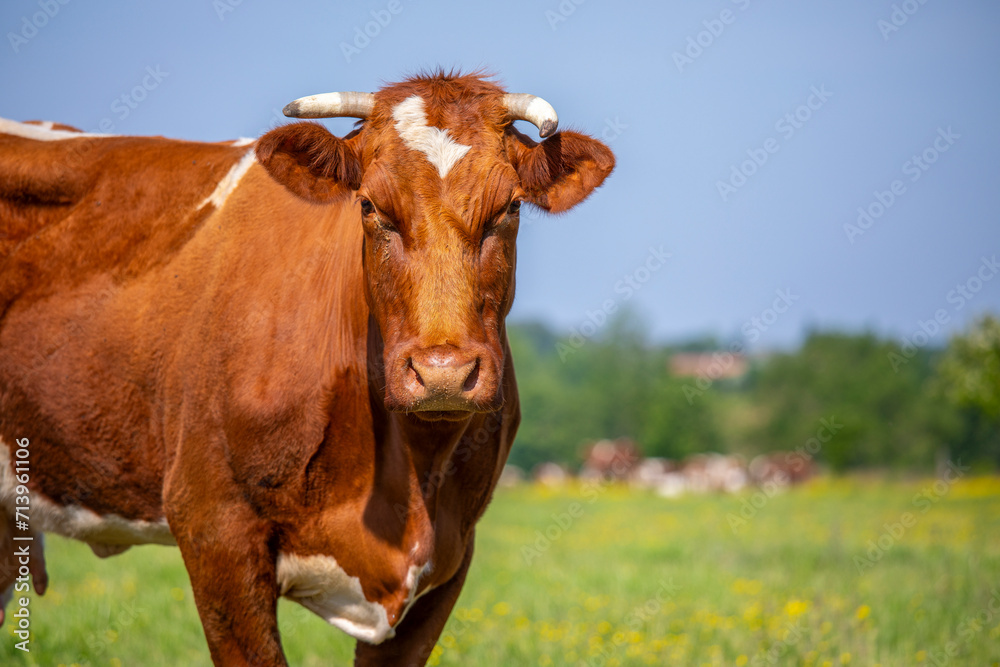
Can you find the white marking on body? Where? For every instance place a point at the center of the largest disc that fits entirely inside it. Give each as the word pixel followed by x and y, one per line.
pixel 107 535
pixel 412 582
pixel 230 181
pixel 41 133
pixel 411 124
pixel 242 141
pixel 320 585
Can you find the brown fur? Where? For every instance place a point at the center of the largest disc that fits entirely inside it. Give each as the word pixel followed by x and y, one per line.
pixel 263 375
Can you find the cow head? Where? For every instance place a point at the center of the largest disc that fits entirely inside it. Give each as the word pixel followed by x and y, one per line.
pixel 437 174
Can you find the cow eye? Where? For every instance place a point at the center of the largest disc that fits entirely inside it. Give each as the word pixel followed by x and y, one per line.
pixel 367 207
pixel 514 208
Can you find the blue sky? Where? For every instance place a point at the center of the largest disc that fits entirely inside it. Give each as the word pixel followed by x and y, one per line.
pixel 803 111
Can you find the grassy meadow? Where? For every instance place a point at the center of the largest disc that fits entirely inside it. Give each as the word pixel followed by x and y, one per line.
pixel 841 571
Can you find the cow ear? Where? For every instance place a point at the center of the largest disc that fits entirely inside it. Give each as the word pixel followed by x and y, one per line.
pixel 560 172
pixel 311 162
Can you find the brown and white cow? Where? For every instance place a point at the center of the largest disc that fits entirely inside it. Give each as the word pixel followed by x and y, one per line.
pixel 287 356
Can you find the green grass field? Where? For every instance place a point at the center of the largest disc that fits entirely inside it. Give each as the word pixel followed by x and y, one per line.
pixel 847 571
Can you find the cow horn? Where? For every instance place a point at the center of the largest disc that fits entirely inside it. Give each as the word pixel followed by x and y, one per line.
pixel 535 110
pixel 331 105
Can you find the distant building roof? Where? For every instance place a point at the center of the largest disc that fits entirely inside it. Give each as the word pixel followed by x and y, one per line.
pixel 711 365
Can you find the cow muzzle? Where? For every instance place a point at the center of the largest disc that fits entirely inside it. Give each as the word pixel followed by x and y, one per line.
pixel 445 382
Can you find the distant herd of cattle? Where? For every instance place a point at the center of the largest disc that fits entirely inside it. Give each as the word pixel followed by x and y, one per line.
pixel 620 461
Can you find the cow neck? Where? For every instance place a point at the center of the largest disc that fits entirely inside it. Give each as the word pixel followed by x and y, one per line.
pixel 422 452
pixel 431 446
pixel 408 446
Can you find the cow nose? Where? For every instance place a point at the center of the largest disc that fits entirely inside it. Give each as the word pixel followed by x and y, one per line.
pixel 442 375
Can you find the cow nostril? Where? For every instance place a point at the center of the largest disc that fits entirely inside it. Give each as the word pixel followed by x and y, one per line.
pixel 442 377
pixel 472 379
pixel 413 369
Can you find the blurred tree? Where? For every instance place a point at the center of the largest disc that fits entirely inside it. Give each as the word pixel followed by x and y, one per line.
pixel 610 385
pixel 971 367
pixel 863 400
pixel 969 379
pixel 678 424
pixel 882 412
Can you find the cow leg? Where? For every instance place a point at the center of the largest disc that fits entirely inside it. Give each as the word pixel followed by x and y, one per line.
pixel 417 634
pixel 10 562
pixel 232 569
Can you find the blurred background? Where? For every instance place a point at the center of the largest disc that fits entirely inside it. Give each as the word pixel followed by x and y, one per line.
pixel 811 188
pixel 794 267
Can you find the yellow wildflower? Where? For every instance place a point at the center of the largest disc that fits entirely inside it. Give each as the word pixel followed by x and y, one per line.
pixel 795 608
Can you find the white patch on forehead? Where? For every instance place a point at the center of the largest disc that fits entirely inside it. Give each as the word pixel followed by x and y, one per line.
pixel 103 533
pixel 320 585
pixel 41 132
pixel 230 181
pixel 411 124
